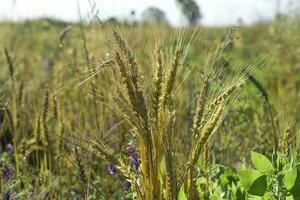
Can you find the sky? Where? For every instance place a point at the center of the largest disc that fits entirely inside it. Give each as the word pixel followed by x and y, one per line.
pixel 215 12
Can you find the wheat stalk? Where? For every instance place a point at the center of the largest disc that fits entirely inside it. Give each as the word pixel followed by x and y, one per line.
pixel 81 172
pixel 158 83
pixel 169 85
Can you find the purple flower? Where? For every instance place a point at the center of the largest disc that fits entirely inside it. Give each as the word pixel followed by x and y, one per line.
pixel 135 162
pixel 134 156
pixel 7 174
pixel 131 150
pixel 126 184
pixel 111 169
pixel 9 148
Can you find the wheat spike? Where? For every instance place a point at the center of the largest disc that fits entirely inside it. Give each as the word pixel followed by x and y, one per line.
pixel 169 85
pixel 80 166
pixel 45 114
pixel 81 172
pixel 55 107
pixel 158 83
pixel 10 63
pixel 200 107
pixel 171 182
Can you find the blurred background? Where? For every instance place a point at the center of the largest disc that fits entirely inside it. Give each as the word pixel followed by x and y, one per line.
pixel 174 12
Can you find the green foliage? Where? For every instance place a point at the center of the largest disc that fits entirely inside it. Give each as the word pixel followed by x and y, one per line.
pixel 271 182
pixel 248 177
pixel 290 178
pixel 259 186
pixel 262 163
pixel 182 195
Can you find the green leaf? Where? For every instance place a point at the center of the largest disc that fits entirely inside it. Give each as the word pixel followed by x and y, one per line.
pixel 285 168
pixel 182 195
pixel 253 197
pixel 201 181
pixel 268 196
pixel 289 178
pixel 289 198
pixel 240 195
pixel 259 186
pixel 248 176
pixel 262 163
pixel 215 197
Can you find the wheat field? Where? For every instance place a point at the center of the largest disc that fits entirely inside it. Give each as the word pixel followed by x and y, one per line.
pixel 149 112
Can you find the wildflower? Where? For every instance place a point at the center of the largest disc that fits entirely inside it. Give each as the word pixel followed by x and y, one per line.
pixel 126 184
pixel 7 174
pixel 111 168
pixel 134 157
pixel 9 148
pixel 135 162
pixel 131 150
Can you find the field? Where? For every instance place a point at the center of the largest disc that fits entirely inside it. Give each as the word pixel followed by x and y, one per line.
pixel 143 111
